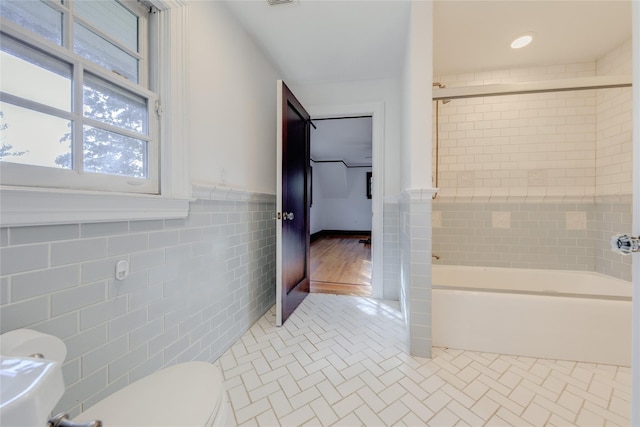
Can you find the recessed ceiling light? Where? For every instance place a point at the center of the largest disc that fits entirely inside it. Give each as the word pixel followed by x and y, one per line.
pixel 521 41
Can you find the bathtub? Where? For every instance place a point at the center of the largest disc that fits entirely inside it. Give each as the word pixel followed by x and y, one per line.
pixel 567 315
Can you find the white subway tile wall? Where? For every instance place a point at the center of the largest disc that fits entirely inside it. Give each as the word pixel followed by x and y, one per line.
pixel 510 145
pixel 552 144
pixel 415 274
pixel 614 126
pixel 391 254
pixel 195 286
pixel 537 153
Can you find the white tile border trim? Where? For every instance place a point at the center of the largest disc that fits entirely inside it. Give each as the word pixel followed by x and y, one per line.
pixel 619 198
pixel 222 192
pixel 419 193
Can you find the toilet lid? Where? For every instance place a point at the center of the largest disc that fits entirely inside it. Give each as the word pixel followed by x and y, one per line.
pixel 186 394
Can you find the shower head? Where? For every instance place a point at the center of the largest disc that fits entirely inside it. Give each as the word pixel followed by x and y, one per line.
pixel 441 86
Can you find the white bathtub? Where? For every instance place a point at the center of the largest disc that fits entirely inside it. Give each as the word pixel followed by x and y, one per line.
pixel 568 315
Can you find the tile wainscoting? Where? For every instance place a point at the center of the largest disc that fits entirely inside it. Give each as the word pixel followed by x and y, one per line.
pixel 563 235
pixel 195 286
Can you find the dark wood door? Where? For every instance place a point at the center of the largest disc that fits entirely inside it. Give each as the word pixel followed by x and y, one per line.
pixel 292 231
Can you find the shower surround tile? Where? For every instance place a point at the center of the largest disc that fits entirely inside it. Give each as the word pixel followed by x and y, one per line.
pixel 515 234
pixel 561 236
pixel 576 220
pixel 329 374
pixel 501 219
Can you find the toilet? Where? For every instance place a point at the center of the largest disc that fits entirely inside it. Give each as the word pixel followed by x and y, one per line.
pixel 189 394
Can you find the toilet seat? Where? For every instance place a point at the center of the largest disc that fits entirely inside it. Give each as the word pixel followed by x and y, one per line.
pixel 187 395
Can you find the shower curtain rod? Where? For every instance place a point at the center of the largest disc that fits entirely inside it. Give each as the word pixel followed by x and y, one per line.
pixel 580 83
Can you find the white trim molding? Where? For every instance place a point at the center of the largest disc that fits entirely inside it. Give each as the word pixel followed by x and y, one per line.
pixel 174 99
pixel 635 273
pixel 21 207
pixel 212 192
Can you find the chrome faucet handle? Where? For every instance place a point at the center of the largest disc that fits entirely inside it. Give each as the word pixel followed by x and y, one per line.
pixel 62 420
pixel 624 244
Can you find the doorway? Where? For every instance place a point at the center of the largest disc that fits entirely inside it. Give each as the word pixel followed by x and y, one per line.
pixel 377 112
pixel 341 205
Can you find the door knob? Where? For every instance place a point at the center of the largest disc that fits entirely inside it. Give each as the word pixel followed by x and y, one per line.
pixel 625 244
pixel 287 216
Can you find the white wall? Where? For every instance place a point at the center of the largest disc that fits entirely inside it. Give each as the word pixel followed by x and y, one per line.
pixel 417 104
pixel 232 103
pixel 347 209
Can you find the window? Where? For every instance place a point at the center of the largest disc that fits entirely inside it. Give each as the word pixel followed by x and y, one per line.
pixel 77 108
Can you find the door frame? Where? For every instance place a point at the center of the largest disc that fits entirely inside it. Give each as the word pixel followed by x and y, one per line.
pixel 635 263
pixel 376 111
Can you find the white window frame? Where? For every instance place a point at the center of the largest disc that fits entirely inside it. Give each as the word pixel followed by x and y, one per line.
pixel 39 206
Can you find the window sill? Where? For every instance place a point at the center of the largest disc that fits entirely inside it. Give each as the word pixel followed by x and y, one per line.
pixel 23 206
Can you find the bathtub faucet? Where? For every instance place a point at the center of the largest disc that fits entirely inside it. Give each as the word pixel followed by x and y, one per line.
pixel 435 256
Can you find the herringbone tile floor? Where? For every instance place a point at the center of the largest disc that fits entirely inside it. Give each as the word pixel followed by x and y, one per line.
pixel 342 360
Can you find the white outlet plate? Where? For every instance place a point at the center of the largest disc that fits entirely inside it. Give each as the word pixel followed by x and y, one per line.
pixel 122 269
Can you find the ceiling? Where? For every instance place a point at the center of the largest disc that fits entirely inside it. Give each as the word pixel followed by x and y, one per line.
pixel 329 41
pixel 348 140
pixel 345 40
pixel 475 35
pixel 326 40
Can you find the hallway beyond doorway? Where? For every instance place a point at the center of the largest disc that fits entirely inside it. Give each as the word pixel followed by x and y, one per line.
pixel 341 264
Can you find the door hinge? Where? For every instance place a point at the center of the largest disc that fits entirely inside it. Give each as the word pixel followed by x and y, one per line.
pixel 158 108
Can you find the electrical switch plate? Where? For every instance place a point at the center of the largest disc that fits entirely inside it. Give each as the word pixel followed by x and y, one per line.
pixel 122 269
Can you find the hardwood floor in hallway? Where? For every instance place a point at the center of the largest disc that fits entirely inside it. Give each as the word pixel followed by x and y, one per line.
pixel 341 265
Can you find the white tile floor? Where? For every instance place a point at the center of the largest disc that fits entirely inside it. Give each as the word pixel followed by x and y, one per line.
pixel 342 360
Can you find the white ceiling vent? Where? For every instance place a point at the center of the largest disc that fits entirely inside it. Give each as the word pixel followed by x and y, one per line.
pixel 277 2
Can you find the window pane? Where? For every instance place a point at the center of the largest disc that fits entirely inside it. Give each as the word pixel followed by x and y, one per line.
pixel 34 138
pixel 35 76
pixel 110 153
pixel 110 104
pixel 98 50
pixel 35 16
pixel 111 18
